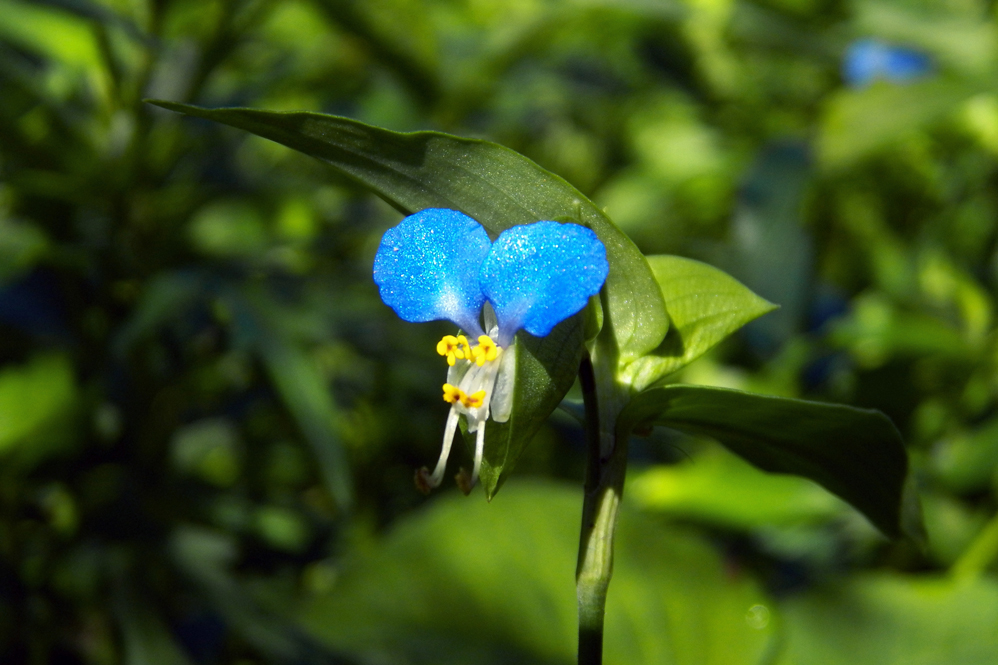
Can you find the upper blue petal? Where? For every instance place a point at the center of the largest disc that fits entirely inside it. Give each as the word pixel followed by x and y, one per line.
pixel 538 275
pixel 427 268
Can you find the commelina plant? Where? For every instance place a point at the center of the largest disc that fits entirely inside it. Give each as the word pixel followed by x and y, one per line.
pixel 544 290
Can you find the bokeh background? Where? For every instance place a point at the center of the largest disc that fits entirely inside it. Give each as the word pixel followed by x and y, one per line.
pixel 209 422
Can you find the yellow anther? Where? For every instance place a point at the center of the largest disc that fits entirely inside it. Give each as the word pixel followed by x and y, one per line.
pixel 486 351
pixel 474 400
pixel 453 394
pixel 454 348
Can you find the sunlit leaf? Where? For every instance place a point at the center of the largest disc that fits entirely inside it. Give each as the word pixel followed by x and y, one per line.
pixel 719 488
pixel 34 402
pixel 55 34
pixel 705 306
pixel 858 122
pixel 964 41
pixel 469 582
pixel 856 454
pixel 964 462
pixel 892 620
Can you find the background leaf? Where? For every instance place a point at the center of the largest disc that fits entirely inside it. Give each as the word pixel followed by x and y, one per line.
pixel 885 619
pixel 857 122
pixel 854 453
pixel 464 581
pixel 705 305
pixel 35 401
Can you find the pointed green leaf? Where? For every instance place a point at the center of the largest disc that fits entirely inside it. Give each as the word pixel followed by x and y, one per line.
pixel 495 185
pixel 856 454
pixel 704 304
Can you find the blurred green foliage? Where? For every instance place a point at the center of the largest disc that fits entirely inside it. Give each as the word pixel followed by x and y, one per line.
pixel 208 421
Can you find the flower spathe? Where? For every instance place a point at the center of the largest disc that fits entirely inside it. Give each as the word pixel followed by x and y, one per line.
pixel 440 264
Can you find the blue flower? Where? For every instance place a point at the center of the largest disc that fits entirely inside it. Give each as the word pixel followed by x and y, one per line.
pixel 440 264
pixel 867 60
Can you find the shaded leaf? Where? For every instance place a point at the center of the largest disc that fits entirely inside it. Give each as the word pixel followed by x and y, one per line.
pixel 856 454
pixel 145 636
pixel 469 582
pixel 207 558
pixel 705 305
pixel 300 385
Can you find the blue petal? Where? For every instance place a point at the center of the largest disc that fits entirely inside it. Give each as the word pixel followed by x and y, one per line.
pixel 869 59
pixel 427 268
pixel 538 275
pixel 905 64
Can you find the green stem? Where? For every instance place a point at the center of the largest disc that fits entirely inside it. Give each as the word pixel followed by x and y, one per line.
pixel 603 488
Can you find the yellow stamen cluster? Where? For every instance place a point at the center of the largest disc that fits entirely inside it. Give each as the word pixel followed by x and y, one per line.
pixel 454 348
pixel 454 394
pixel 458 348
pixel 486 351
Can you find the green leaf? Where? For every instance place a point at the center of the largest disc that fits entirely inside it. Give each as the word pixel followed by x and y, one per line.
pixel 705 306
pixel 881 619
pixel 545 370
pixel 493 184
pixel 858 122
pixel 469 582
pixel 856 454
pixel 720 488
pixel 35 401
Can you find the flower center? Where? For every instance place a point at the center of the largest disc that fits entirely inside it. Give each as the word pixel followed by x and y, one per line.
pixel 454 348
pixel 471 389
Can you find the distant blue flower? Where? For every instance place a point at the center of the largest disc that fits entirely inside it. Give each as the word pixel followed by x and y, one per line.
pixel 439 264
pixel 867 60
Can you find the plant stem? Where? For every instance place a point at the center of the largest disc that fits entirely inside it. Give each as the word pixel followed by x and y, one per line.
pixel 604 486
